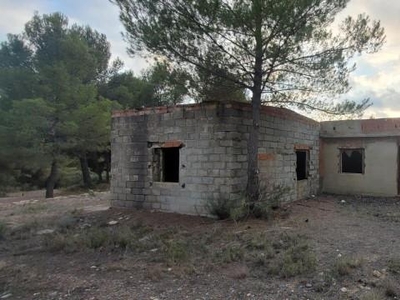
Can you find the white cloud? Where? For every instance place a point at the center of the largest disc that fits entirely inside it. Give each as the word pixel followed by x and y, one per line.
pixel 377 77
pixel 101 15
pixel 15 14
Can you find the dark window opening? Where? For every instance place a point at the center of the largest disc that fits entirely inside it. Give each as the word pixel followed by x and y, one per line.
pixel 166 164
pixel 301 165
pixel 352 161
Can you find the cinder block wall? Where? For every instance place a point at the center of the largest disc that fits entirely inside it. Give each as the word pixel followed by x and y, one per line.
pixel 213 156
pixel 282 133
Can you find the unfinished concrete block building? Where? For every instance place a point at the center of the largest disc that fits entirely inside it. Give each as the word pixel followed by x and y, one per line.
pixel 360 157
pixel 177 158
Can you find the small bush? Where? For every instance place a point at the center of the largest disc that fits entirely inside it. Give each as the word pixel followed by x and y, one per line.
pixel 374 295
pixel 26 230
pixel 33 208
pixel 96 238
pixel 259 242
pixel 3 230
pixel 293 257
pixel 176 251
pixel 67 243
pixel 391 288
pixel 394 265
pixel 344 265
pixel 325 283
pixel 221 208
pixel 66 223
pixel 230 253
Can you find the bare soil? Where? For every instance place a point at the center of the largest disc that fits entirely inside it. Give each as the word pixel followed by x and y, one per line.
pixel 190 257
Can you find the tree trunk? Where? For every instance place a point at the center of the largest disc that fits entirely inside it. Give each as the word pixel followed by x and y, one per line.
pixel 107 176
pixel 252 146
pixel 99 174
pixel 108 166
pixel 87 182
pixel 252 149
pixel 51 180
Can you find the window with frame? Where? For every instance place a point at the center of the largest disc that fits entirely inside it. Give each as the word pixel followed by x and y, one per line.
pixel 302 164
pixel 352 161
pixel 166 164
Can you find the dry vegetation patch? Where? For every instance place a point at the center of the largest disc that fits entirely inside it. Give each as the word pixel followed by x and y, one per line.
pixel 67 245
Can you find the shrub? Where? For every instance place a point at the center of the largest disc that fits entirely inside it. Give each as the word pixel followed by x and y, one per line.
pixel 3 230
pixel 391 288
pixel 26 230
pixel 374 295
pixel 230 253
pixel 344 265
pixel 176 251
pixel 294 257
pixel 269 200
pixel 62 242
pixel 394 265
pixel 220 207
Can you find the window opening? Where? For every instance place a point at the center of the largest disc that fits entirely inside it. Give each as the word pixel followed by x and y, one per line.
pixel 352 160
pixel 301 165
pixel 166 164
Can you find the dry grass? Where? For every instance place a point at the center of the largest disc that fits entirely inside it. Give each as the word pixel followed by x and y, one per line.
pixel 391 288
pixel 394 265
pixel 3 230
pixel 345 264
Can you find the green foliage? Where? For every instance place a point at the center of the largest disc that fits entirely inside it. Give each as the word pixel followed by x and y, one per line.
pixel 215 86
pixel 69 177
pixel 49 77
pixel 159 85
pixel 285 49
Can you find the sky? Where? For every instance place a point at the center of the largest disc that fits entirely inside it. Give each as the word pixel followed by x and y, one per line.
pixel 377 76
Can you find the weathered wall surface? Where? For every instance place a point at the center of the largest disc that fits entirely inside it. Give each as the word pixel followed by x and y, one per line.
pixel 282 132
pixel 213 156
pixel 379 139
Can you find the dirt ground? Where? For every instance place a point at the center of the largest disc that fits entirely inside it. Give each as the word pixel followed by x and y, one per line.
pixel 76 247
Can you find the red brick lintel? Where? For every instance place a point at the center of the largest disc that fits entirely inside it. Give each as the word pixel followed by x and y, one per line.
pixel 302 147
pixel 172 144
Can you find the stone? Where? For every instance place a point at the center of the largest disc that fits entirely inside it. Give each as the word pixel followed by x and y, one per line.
pixel 377 274
pixel 344 290
pixel 112 223
pixel 45 231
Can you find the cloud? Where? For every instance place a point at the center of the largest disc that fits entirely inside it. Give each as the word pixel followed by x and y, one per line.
pixel 377 75
pixel 101 15
pixel 14 15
